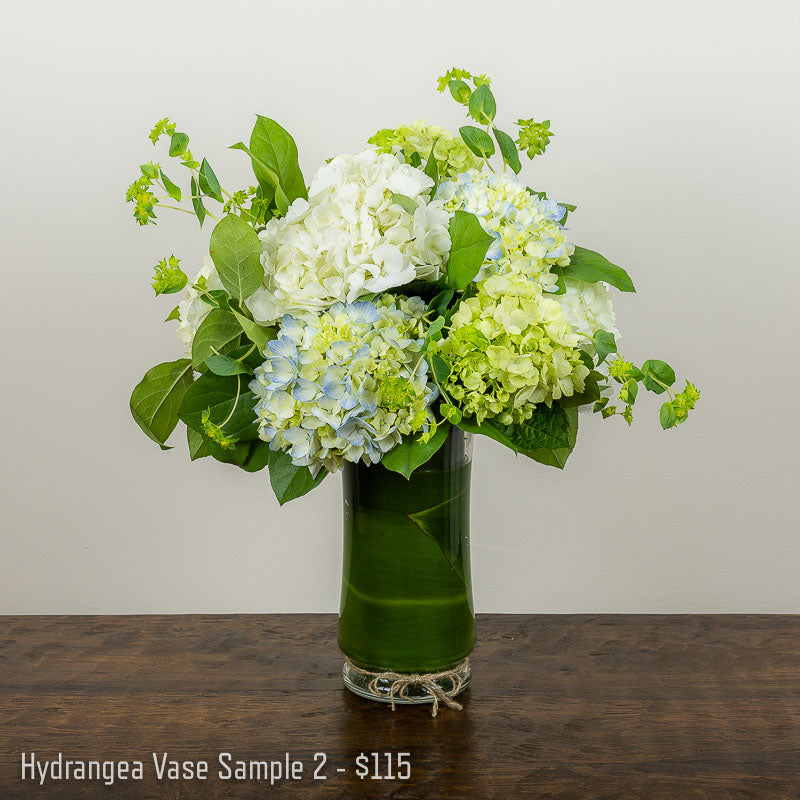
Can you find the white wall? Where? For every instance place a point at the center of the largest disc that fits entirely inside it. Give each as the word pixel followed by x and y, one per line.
pixel 677 137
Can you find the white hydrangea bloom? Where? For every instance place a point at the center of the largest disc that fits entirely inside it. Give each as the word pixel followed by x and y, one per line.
pixel 588 307
pixel 350 239
pixel 529 238
pixel 192 309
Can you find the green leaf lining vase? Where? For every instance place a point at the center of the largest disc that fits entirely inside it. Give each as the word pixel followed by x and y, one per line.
pixel 406 605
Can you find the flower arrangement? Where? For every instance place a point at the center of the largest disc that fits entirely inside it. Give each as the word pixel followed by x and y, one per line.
pixel 411 286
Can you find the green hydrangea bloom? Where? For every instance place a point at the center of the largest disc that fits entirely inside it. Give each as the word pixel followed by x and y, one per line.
pixel 452 156
pixel 509 348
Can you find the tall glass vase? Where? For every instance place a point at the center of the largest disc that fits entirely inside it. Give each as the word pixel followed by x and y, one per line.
pixel 406 621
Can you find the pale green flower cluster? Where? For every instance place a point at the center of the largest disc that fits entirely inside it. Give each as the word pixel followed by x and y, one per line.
pixel 345 384
pixel 508 348
pixel 452 155
pixel 529 238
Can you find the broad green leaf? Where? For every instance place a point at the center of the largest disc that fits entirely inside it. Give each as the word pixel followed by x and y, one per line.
pixel 653 368
pixel 557 457
pixel 667 416
pixel 451 413
pixel 197 202
pixel 629 391
pixel 477 140
pixel 197 445
pixel 441 369
pixel 414 159
pixel 508 150
pixel 436 523
pixel 174 314
pixel 482 106
pixel 435 328
pixel 586 265
pixel 289 481
pixel 178 144
pixel 548 428
pixel 156 399
pixel 172 190
pixel 468 249
pixel 604 344
pixel 406 203
pixel 270 177
pixel 236 251
pixel 149 170
pixel 218 332
pixel 460 91
pixel 208 182
pixel 219 396
pixel 225 365
pixel 251 455
pixel 440 301
pixel 412 453
pixel 257 334
pixel 274 147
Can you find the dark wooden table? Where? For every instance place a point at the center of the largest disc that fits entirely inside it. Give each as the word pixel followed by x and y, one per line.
pixel 583 707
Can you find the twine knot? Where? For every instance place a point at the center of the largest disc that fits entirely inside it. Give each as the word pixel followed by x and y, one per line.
pixel 401 682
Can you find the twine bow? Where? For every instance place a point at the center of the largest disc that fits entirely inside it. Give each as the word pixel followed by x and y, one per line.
pixel 401 682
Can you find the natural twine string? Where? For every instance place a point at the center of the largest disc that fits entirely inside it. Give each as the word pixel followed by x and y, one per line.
pixel 401 682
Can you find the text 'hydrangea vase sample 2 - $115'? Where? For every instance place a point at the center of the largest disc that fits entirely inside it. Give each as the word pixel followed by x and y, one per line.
pixel 413 294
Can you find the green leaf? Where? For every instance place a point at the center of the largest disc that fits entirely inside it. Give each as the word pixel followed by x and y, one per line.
pixel 236 251
pixel 414 159
pixel 178 144
pixel 586 265
pixel 412 453
pixel 435 327
pixel 220 395
pixel 477 140
pixel 208 182
pixel 667 416
pixel 257 334
pixel 149 170
pixel 274 148
pixel 174 314
pixel 508 150
pixel 406 203
pixel 289 481
pixel 431 168
pixel 653 368
pixel 251 456
pixel 269 177
pixel 451 413
pixel 557 457
pixel 156 399
pixel 468 249
pixel 482 106
pixel 440 301
pixel 225 365
pixel 172 190
pixel 548 428
pixel 197 445
pixel 441 369
pixel 197 202
pixel 218 332
pixel 460 91
pixel 629 391
pixel 604 344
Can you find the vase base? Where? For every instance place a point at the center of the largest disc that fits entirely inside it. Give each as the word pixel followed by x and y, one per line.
pixel 405 688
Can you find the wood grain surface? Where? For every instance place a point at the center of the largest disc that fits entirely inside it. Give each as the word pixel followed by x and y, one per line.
pixel 561 707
